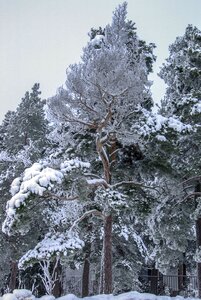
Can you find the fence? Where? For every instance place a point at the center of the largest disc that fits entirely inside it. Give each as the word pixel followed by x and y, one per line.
pixel 157 284
pixel 170 284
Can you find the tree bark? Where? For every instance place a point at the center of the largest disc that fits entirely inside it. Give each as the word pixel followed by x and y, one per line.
pixel 198 241
pixel 57 289
pixel 85 278
pixel 154 281
pixel 13 276
pixel 107 263
pixel 182 277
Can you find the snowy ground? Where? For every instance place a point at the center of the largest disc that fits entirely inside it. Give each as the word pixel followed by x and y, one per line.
pixel 27 295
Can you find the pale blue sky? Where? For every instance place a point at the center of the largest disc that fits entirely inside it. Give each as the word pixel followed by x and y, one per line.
pixel 40 38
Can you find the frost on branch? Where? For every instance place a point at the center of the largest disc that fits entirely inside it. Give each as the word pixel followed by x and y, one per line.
pixel 197 256
pixel 110 199
pixel 35 181
pixel 72 164
pixel 52 245
pixel 159 125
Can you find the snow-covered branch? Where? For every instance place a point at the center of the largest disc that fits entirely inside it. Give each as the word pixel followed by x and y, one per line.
pixel 38 180
pixel 53 245
pixel 97 182
pixel 93 212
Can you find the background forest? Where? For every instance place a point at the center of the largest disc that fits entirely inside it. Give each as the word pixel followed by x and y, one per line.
pixel 94 180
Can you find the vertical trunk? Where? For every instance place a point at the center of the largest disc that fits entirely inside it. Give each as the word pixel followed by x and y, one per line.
pixel 182 277
pixel 106 274
pixel 107 263
pixel 101 271
pixel 198 240
pixel 85 278
pixel 13 276
pixel 57 289
pixel 154 281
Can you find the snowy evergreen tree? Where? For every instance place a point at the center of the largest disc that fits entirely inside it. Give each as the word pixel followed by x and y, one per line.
pixel 104 97
pixel 182 74
pixel 174 137
pixel 28 127
pixel 15 155
pixel 104 93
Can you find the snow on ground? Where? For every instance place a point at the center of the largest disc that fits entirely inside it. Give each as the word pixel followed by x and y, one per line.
pixel 27 295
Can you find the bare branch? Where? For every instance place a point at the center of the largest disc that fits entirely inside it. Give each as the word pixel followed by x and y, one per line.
pixel 58 197
pixel 87 106
pixel 192 195
pixel 136 184
pixel 72 120
pixel 94 212
pixel 98 182
pixel 195 178
pixel 92 175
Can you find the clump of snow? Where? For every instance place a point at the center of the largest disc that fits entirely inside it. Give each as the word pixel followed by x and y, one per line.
pixel 196 109
pixel 156 124
pixel 15 186
pixel 161 137
pixel 22 294
pixel 9 296
pixel 97 41
pixel 72 164
pixel 197 256
pixel 52 244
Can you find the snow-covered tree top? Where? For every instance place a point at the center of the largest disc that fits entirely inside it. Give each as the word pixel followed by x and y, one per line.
pixel 181 73
pixel 103 90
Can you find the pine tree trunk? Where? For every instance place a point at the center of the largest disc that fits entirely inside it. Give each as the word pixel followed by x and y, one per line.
pixel 57 290
pixel 154 281
pixel 85 278
pixel 107 264
pixel 198 240
pixel 182 277
pixel 13 276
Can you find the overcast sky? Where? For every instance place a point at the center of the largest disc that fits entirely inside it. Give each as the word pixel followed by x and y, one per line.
pixel 40 38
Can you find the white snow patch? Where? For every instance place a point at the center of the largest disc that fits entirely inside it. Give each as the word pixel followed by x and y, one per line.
pixel 156 123
pixel 9 296
pixel 99 38
pixel 125 296
pixel 72 164
pixel 22 294
pixel 47 297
